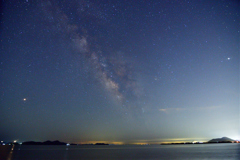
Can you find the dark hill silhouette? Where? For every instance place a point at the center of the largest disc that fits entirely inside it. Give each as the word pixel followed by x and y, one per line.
pixel 216 140
pixel 32 143
pixel 44 143
pixel 54 143
pixel 101 144
pixel 221 140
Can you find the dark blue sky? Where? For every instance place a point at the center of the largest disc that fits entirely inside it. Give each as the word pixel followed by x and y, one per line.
pixel 119 71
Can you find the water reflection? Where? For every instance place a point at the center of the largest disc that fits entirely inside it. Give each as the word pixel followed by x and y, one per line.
pixel 66 154
pixel 203 151
pixel 10 153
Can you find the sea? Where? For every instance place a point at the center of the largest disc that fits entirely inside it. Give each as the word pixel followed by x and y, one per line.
pixel 122 152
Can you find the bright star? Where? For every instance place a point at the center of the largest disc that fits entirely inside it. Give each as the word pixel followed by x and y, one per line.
pixel 24 99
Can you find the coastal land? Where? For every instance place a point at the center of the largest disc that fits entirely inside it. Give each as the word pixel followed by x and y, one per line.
pixel 212 141
pixel 56 142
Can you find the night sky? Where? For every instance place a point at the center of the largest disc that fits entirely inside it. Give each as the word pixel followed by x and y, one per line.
pixel 126 71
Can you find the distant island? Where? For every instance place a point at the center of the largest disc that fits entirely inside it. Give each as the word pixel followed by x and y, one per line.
pixel 44 143
pixel 101 144
pixel 216 140
pixel 56 142
pixel 221 140
pixel 51 143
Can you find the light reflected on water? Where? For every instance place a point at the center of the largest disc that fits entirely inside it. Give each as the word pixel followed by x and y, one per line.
pixel 10 153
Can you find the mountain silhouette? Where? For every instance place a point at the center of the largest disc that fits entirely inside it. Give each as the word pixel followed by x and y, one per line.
pixel 221 140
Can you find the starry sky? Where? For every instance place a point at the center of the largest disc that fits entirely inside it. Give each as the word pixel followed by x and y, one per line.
pixel 121 71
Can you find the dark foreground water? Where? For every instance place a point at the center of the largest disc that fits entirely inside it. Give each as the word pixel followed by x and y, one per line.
pixel 128 152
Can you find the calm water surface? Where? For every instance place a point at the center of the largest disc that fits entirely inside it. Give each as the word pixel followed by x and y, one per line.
pixel 128 152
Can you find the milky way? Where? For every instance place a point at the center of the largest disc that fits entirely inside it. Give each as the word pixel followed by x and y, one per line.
pixel 113 70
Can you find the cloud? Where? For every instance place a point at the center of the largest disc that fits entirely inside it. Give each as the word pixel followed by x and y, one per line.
pixel 163 110
pixel 166 110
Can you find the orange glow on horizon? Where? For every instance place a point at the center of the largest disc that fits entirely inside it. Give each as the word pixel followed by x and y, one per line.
pixel 151 142
pixel 107 142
